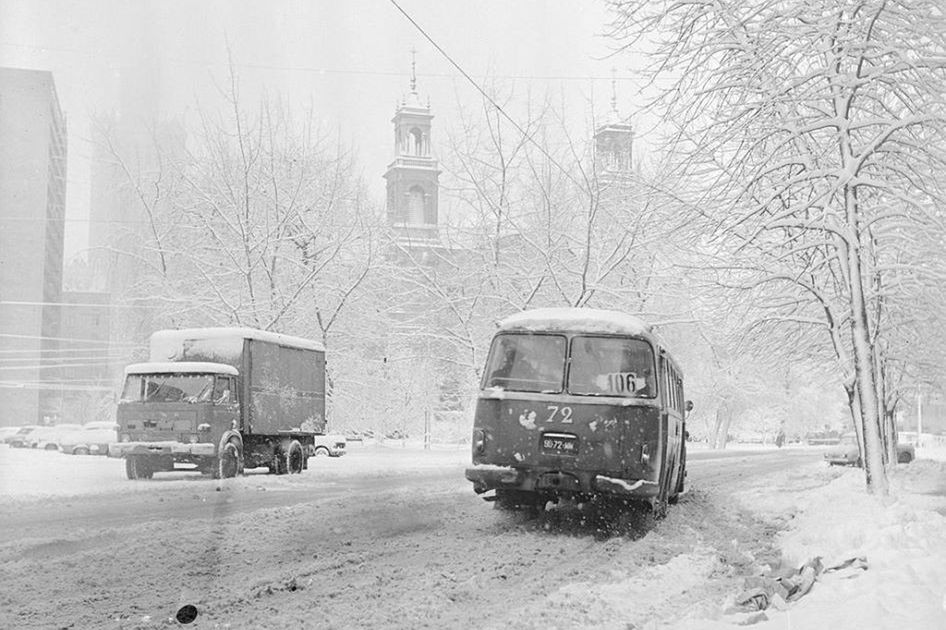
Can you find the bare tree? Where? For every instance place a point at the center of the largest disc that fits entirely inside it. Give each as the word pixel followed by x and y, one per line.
pixel 809 134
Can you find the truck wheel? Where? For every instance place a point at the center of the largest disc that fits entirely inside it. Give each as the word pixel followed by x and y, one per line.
pixel 229 464
pixel 321 451
pixel 137 467
pixel 295 458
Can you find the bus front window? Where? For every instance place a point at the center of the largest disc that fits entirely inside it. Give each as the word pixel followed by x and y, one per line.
pixel 526 363
pixel 610 366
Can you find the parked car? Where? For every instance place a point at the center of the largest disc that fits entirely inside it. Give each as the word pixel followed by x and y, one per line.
pixel 331 445
pixel 91 438
pixel 6 432
pixel 20 439
pixel 846 453
pixel 49 438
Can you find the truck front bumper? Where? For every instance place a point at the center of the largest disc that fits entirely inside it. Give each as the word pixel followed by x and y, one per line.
pixel 122 449
pixel 487 477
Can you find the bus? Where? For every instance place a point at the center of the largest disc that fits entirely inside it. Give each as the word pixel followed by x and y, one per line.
pixel 578 403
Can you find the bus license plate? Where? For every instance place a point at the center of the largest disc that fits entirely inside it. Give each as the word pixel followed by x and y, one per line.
pixel 559 444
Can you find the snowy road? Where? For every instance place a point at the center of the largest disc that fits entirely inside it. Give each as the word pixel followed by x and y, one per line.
pixel 383 537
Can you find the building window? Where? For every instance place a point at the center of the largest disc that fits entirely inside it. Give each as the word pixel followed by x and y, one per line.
pixel 416 142
pixel 415 205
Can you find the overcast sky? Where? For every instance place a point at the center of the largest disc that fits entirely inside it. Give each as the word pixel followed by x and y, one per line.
pixel 350 59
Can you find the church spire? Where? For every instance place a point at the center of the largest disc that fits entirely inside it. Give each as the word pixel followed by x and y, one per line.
pixel 614 139
pixel 413 98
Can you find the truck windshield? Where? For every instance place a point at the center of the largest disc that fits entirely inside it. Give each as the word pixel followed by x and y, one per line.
pixel 612 366
pixel 189 388
pixel 526 363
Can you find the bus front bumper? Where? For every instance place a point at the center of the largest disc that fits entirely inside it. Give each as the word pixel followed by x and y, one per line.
pixel 486 477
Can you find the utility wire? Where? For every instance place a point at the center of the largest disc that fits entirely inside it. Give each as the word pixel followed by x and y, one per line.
pixel 71 340
pixel 342 71
pixel 476 85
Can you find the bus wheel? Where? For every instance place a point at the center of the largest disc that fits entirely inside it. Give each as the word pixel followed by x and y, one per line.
pixel 681 486
pixel 137 467
pixel 515 500
pixel 229 463
pixel 295 458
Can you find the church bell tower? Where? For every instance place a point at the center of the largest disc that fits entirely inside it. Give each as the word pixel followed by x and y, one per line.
pixel 614 141
pixel 413 176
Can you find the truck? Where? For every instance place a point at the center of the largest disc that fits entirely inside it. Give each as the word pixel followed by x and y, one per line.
pixel 222 400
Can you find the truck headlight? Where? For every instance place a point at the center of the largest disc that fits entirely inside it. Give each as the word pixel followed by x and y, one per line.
pixel 479 440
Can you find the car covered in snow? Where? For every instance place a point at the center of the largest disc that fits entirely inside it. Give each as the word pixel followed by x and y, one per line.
pixel 50 437
pixel 21 439
pixel 331 445
pixel 847 453
pixel 6 432
pixel 91 438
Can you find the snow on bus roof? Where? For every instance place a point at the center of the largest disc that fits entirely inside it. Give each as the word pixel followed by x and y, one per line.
pixel 586 320
pixel 202 334
pixel 183 367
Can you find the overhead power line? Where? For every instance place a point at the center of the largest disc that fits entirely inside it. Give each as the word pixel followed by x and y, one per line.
pixel 479 89
pixel 89 304
pixel 70 339
pixel 341 71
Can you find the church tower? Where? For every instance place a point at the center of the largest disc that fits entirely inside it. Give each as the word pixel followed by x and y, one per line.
pixel 614 141
pixel 413 176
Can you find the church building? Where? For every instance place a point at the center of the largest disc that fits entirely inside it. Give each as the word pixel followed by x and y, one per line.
pixel 413 176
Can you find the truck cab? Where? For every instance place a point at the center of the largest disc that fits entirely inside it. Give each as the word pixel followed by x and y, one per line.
pixel 175 413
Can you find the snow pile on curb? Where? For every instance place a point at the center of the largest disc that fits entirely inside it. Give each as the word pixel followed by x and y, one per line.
pixel 902 538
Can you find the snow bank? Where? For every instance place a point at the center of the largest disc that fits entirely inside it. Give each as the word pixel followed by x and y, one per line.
pixel 902 537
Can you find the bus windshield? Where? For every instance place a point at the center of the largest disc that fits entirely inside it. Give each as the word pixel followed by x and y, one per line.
pixel 611 366
pixel 526 363
pixel 168 388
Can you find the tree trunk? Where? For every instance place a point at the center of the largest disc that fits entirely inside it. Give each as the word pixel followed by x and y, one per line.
pixel 864 373
pixel 721 426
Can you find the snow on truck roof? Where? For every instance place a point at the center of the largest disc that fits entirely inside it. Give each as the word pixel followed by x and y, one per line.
pixel 183 367
pixel 585 320
pixel 202 334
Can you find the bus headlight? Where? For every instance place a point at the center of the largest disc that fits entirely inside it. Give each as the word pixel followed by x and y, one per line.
pixel 479 441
